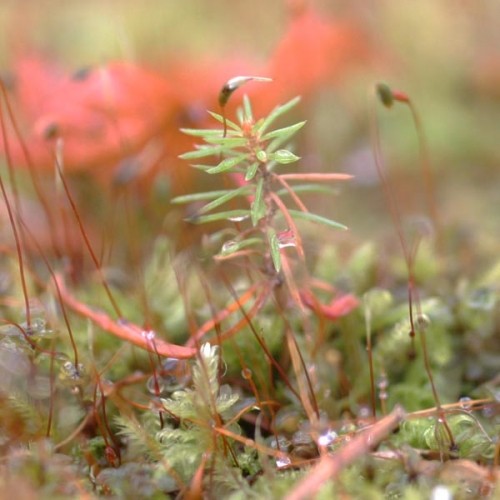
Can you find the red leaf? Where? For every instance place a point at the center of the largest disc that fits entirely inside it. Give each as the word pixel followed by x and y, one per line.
pixel 338 307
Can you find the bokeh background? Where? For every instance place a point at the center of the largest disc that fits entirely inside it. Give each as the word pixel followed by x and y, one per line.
pixel 445 55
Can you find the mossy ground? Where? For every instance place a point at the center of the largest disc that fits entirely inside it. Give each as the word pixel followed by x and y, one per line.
pixel 116 424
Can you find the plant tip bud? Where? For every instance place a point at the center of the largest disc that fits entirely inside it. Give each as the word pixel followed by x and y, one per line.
pixel 385 94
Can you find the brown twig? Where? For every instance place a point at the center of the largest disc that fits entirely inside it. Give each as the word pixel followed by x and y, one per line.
pixel 330 466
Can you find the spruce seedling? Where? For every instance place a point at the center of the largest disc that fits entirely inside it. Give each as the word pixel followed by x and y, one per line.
pixel 253 154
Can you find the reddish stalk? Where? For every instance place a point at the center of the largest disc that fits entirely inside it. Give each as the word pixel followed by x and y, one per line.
pixel 239 325
pixel 247 374
pixel 291 223
pixel 290 191
pixel 474 404
pixel 12 219
pixel 156 377
pixel 195 490
pixel 429 180
pixel 393 206
pixel 250 443
pixel 52 393
pixel 108 232
pixel 290 282
pixel 387 98
pixel 136 254
pixel 86 239
pixel 32 170
pixel 19 251
pixel 58 291
pixel 216 319
pixel 307 396
pixel 129 332
pixel 261 343
pixel 112 454
pixel 10 169
pixel 316 177
pixel 66 321
pixel 369 351
pixel 310 403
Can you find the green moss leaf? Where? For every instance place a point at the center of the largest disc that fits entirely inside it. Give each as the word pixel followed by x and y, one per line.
pixel 283 156
pixel 275 249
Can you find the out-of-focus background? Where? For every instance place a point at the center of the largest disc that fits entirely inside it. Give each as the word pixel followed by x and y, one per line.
pixel 445 55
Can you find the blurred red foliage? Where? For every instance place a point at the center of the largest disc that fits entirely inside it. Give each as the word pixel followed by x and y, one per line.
pixel 313 52
pixel 122 120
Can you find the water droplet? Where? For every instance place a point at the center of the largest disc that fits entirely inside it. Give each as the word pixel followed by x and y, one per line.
pixel 280 443
pixel 239 218
pixel 155 385
pixel 422 321
pixel 382 383
pixel 465 403
pixel 70 372
pixel 149 335
pixel 61 356
pixel 286 239
pixel 246 373
pixel 229 247
pixel 36 327
pixel 283 461
pixel 222 368
pixel 327 438
pixel 304 445
pixel 169 365
pixel 174 374
pixel 364 412
pixel 441 492
pixel 482 299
